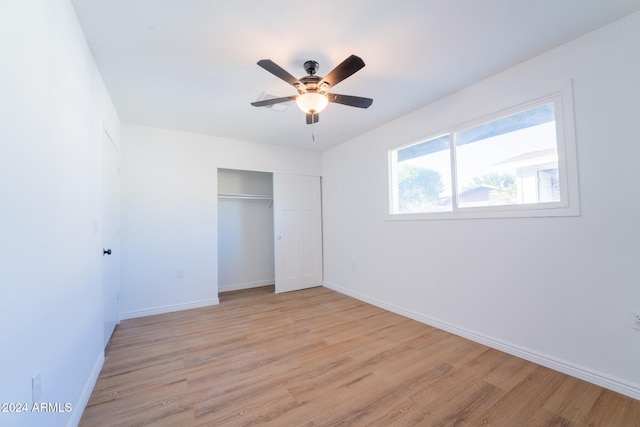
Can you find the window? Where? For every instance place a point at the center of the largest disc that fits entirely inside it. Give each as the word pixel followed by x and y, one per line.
pixel 511 164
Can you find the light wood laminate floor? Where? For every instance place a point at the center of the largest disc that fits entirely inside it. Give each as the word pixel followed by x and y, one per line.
pixel 319 358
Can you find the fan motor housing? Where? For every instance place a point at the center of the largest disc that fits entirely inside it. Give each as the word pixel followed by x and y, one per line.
pixel 310 83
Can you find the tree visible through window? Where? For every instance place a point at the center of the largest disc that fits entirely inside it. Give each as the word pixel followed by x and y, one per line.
pixel 419 188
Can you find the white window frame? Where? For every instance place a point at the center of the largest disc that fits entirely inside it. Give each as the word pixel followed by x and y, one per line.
pixel 567 168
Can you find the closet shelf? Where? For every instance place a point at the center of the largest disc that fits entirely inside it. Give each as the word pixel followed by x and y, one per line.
pixel 245 196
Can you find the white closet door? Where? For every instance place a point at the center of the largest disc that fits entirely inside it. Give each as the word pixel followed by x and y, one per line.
pixel 297 232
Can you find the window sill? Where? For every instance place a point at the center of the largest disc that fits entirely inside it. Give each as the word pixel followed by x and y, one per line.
pixel 488 213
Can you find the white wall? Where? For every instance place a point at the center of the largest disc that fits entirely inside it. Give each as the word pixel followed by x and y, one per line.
pixel 169 212
pixel 52 107
pixel 558 291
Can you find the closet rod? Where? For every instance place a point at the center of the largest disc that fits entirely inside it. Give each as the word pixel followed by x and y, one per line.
pixel 244 196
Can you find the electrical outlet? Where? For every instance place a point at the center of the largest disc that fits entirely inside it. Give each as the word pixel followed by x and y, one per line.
pixel 180 273
pixel 636 320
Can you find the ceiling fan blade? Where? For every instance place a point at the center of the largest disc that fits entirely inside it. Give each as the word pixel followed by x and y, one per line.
pixel 279 72
pixel 352 101
pixel 346 68
pixel 313 118
pixel 271 101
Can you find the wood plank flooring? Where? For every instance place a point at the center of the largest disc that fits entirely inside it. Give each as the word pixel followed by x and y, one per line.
pixel 319 358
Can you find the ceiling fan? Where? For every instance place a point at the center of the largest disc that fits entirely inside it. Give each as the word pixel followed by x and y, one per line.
pixel 313 95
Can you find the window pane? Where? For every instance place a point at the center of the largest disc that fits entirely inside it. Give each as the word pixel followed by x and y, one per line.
pixel 509 161
pixel 423 177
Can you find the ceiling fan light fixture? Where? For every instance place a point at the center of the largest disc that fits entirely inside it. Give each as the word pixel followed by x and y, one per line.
pixel 312 102
pixel 313 95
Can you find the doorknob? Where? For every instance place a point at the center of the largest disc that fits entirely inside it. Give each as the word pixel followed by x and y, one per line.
pixel 106 252
pixel 279 237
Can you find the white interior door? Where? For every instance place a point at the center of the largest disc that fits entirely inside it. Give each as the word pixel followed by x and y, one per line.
pixel 297 232
pixel 110 234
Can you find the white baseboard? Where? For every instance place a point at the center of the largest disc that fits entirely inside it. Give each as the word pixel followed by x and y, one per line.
pixel 239 286
pixel 594 377
pixel 78 408
pixel 168 309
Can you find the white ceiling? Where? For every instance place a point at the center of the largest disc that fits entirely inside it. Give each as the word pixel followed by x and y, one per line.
pixel 191 64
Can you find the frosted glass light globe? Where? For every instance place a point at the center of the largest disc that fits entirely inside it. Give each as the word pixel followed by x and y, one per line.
pixel 312 103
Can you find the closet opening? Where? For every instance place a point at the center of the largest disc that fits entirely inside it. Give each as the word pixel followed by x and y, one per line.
pixel 246 264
